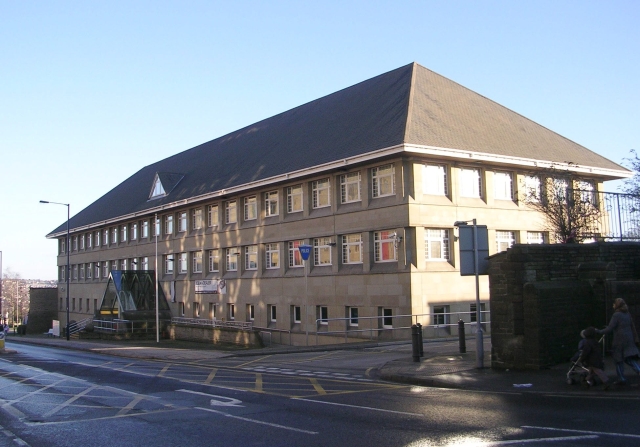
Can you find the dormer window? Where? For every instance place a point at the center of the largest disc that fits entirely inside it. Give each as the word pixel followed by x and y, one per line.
pixel 158 190
pixel 163 184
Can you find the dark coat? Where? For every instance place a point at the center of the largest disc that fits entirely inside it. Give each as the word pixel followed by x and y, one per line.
pixel 591 354
pixel 624 336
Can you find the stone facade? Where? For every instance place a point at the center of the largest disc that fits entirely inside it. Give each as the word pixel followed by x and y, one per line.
pixel 43 309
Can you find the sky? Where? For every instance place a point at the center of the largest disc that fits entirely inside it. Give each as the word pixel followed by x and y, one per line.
pixel 91 92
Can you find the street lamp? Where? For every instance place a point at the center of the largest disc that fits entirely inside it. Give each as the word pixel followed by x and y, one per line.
pixel 479 335
pixel 67 249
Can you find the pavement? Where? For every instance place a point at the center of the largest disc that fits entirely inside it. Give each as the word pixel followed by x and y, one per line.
pixel 441 366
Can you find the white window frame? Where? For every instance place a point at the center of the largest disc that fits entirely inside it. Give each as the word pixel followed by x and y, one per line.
pixel 231 212
pixel 387 318
pixel 435 238
pixel 168 224
pixel 168 263
pixel 134 231
pixel 321 193
pixel 105 269
pixel 250 208
pixel 536 237
pixel 251 311
pixel 196 218
pixel 251 257
pixel 532 188
pixel 105 239
pixel 183 224
pixel 354 316
pixel 197 261
pixel 352 248
pixel 322 251
pixel 145 263
pixel 114 235
pixel 98 235
pixel 213 215
pixel 183 264
pixel 297 314
pixel 503 185
pixel 350 187
pixel 434 180
pixel 124 229
pixel 470 183
pixel 123 264
pixel 295 258
pixel 384 243
pixel 323 315
pixel 383 181
pixel 504 240
pixel 271 204
pixel 89 240
pixel 440 315
pixel 273 314
pixel 295 196
pixel 144 231
pixel 82 242
pixel 214 260
pixel 272 256
pixel 232 255
pixel 232 311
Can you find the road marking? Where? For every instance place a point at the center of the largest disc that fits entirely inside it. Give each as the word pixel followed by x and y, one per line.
pixel 70 401
pixel 357 406
pixel 130 406
pixel 258 388
pixel 588 432
pixel 317 386
pixel 228 402
pixel 366 373
pixel 527 441
pixel 222 413
pixel 252 361
pixel 211 375
pixel 164 370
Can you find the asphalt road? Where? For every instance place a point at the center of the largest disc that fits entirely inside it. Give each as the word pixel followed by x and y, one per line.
pixel 58 397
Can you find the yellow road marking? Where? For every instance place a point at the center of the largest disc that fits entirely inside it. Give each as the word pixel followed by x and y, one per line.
pixel 252 361
pixel 258 388
pixel 164 370
pixel 130 406
pixel 69 401
pixel 317 386
pixel 366 373
pixel 211 375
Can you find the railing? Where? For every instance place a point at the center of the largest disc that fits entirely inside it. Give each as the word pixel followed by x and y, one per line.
pixel 241 325
pixel 619 218
pixel 117 326
pixel 77 326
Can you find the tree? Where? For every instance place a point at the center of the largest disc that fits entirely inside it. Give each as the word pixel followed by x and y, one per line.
pixel 632 185
pixel 570 206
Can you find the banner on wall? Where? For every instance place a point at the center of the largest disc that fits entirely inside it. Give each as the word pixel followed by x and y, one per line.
pixel 216 286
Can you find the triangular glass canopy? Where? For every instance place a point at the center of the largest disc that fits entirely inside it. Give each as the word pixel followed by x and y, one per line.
pixel 131 295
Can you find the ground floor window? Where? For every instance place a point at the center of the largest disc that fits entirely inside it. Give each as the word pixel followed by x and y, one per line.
pixel 323 314
pixel 181 309
pixel 272 313
pixel 251 312
pixel 353 316
pixel 232 311
pixel 387 318
pixel 473 314
pixel 297 314
pixel 212 311
pixel 196 310
pixel 440 315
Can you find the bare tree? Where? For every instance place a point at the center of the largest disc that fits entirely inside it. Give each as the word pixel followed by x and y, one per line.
pixel 569 206
pixel 632 185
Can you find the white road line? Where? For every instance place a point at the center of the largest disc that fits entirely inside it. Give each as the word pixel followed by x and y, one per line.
pixel 586 432
pixel 222 413
pixel 357 406
pixel 527 441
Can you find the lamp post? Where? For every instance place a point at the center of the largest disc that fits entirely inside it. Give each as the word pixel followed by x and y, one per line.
pixel 0 286
pixel 156 230
pixel 67 249
pixel 479 335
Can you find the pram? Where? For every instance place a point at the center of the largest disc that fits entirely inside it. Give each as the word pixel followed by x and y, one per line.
pixel 578 372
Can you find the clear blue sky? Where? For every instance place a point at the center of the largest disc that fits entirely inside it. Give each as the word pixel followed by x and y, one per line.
pixel 90 92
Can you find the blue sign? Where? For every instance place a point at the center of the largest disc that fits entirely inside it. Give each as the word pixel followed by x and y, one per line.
pixel 305 251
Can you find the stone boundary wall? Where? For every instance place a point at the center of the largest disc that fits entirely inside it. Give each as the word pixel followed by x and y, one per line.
pixel 214 335
pixel 543 295
pixel 42 309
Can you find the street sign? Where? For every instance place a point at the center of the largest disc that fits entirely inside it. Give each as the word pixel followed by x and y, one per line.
pixel 305 251
pixel 467 252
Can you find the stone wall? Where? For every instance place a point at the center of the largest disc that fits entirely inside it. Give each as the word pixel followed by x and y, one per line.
pixel 42 309
pixel 542 296
pixel 214 335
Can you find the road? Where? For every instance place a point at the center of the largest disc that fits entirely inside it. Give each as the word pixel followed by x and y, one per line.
pixel 59 397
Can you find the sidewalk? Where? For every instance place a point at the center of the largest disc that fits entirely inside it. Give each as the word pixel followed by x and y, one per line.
pixel 442 365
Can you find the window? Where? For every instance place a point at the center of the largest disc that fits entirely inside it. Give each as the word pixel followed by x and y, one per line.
pixel 63 271
pixel 503 186
pixel 535 237
pixel 350 187
pixel 436 244
pixel 384 246
pixel 123 233
pixel 297 314
pixel 321 193
pixel 145 229
pixel 473 314
pixel 323 314
pixel 196 217
pixel 559 188
pixel 105 269
pixel 123 264
pixel 95 304
pixel 114 265
pixel 251 312
pixel 294 199
pixel 214 260
pixel 156 227
pixel 532 188
pixel 82 242
pixel 272 255
pixel 81 271
pixel 75 271
pixel 470 183
pixel 75 243
pixel 145 263
pixel 434 180
pixel 322 251
pixel 295 258
pixel 212 216
pixel 383 181
pixel 88 309
pixel 133 262
pixel 182 222
pixel 73 304
pixel 182 263
pixel 89 240
pixel 197 262
pixel 105 239
pixel 133 229
pixel 114 235
pixel 196 310
pixel 232 311
pixel 271 203
pixel 353 316
pixel 272 313
pixel 440 315
pixel 157 190
pixel 213 311
pixel 251 257
pixel 352 249
pixel 504 240
pixel 250 208
pixel 79 304
pixel 181 308
pixel 168 263
pixel 586 193
pixel 97 238
pixel 90 270
pixel 168 224
pixel 62 244
pixel 387 318
pixel 232 259
pixel 231 212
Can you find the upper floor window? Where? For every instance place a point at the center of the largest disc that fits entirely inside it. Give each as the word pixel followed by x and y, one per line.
pixel 352 249
pixel 197 262
pixel 294 199
pixel 383 181
pixel 271 203
pixel 145 229
pixel 232 259
pixel 81 271
pixel 321 193
pixel 89 240
pixel 123 264
pixel 503 186
pixel 114 235
pixel 168 224
pixel 295 258
pixel 535 237
pixel 250 208
pixel 168 263
pixel 105 269
pixel 504 240
pixel 182 222
pixel 385 249
pixel 350 187
pixel 322 251
pixel 532 188
pixel 75 272
pixel 436 243
pixel 212 216
pixel 134 231
pixel 470 182
pixel 145 263
pixel 214 260
pixel 231 212
pixel 75 243
pixel 182 263
pixel 82 242
pixel 105 239
pixel 97 270
pixel 97 236
pixel 251 257
pixel 434 180
pixel 196 217
pixel 63 242
pixel 586 189
pixel 123 233
pixel 272 255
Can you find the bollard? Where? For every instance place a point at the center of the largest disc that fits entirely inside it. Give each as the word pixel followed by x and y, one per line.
pixel 420 344
pixel 414 343
pixel 463 342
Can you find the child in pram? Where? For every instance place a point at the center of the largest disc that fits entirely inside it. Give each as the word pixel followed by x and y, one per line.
pixel 591 358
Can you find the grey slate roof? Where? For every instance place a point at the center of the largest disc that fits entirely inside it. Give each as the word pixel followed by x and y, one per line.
pixel 408 105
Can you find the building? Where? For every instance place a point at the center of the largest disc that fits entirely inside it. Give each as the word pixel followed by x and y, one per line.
pixel 372 177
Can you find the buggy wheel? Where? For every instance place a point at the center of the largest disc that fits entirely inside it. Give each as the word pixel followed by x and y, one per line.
pixel 570 381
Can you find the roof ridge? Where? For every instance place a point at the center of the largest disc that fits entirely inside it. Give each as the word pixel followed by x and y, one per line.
pixel 407 123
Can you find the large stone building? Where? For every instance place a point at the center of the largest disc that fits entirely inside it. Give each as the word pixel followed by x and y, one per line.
pixel 372 177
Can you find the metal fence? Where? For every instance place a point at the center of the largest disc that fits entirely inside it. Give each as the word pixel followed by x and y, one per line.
pixel 619 218
pixel 240 325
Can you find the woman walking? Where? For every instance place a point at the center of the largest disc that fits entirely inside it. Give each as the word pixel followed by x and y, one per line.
pixel 625 339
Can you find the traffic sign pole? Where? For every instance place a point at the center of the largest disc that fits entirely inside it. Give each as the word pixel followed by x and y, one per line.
pixel 305 251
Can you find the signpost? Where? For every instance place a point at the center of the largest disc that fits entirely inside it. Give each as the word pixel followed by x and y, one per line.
pixel 305 251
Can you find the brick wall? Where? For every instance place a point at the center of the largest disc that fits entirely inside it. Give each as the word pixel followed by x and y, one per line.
pixel 42 309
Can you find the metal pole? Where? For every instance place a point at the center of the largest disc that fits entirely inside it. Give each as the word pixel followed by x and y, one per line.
pixel 155 229
pixel 306 302
pixel 479 336
pixel 0 286
pixel 68 248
